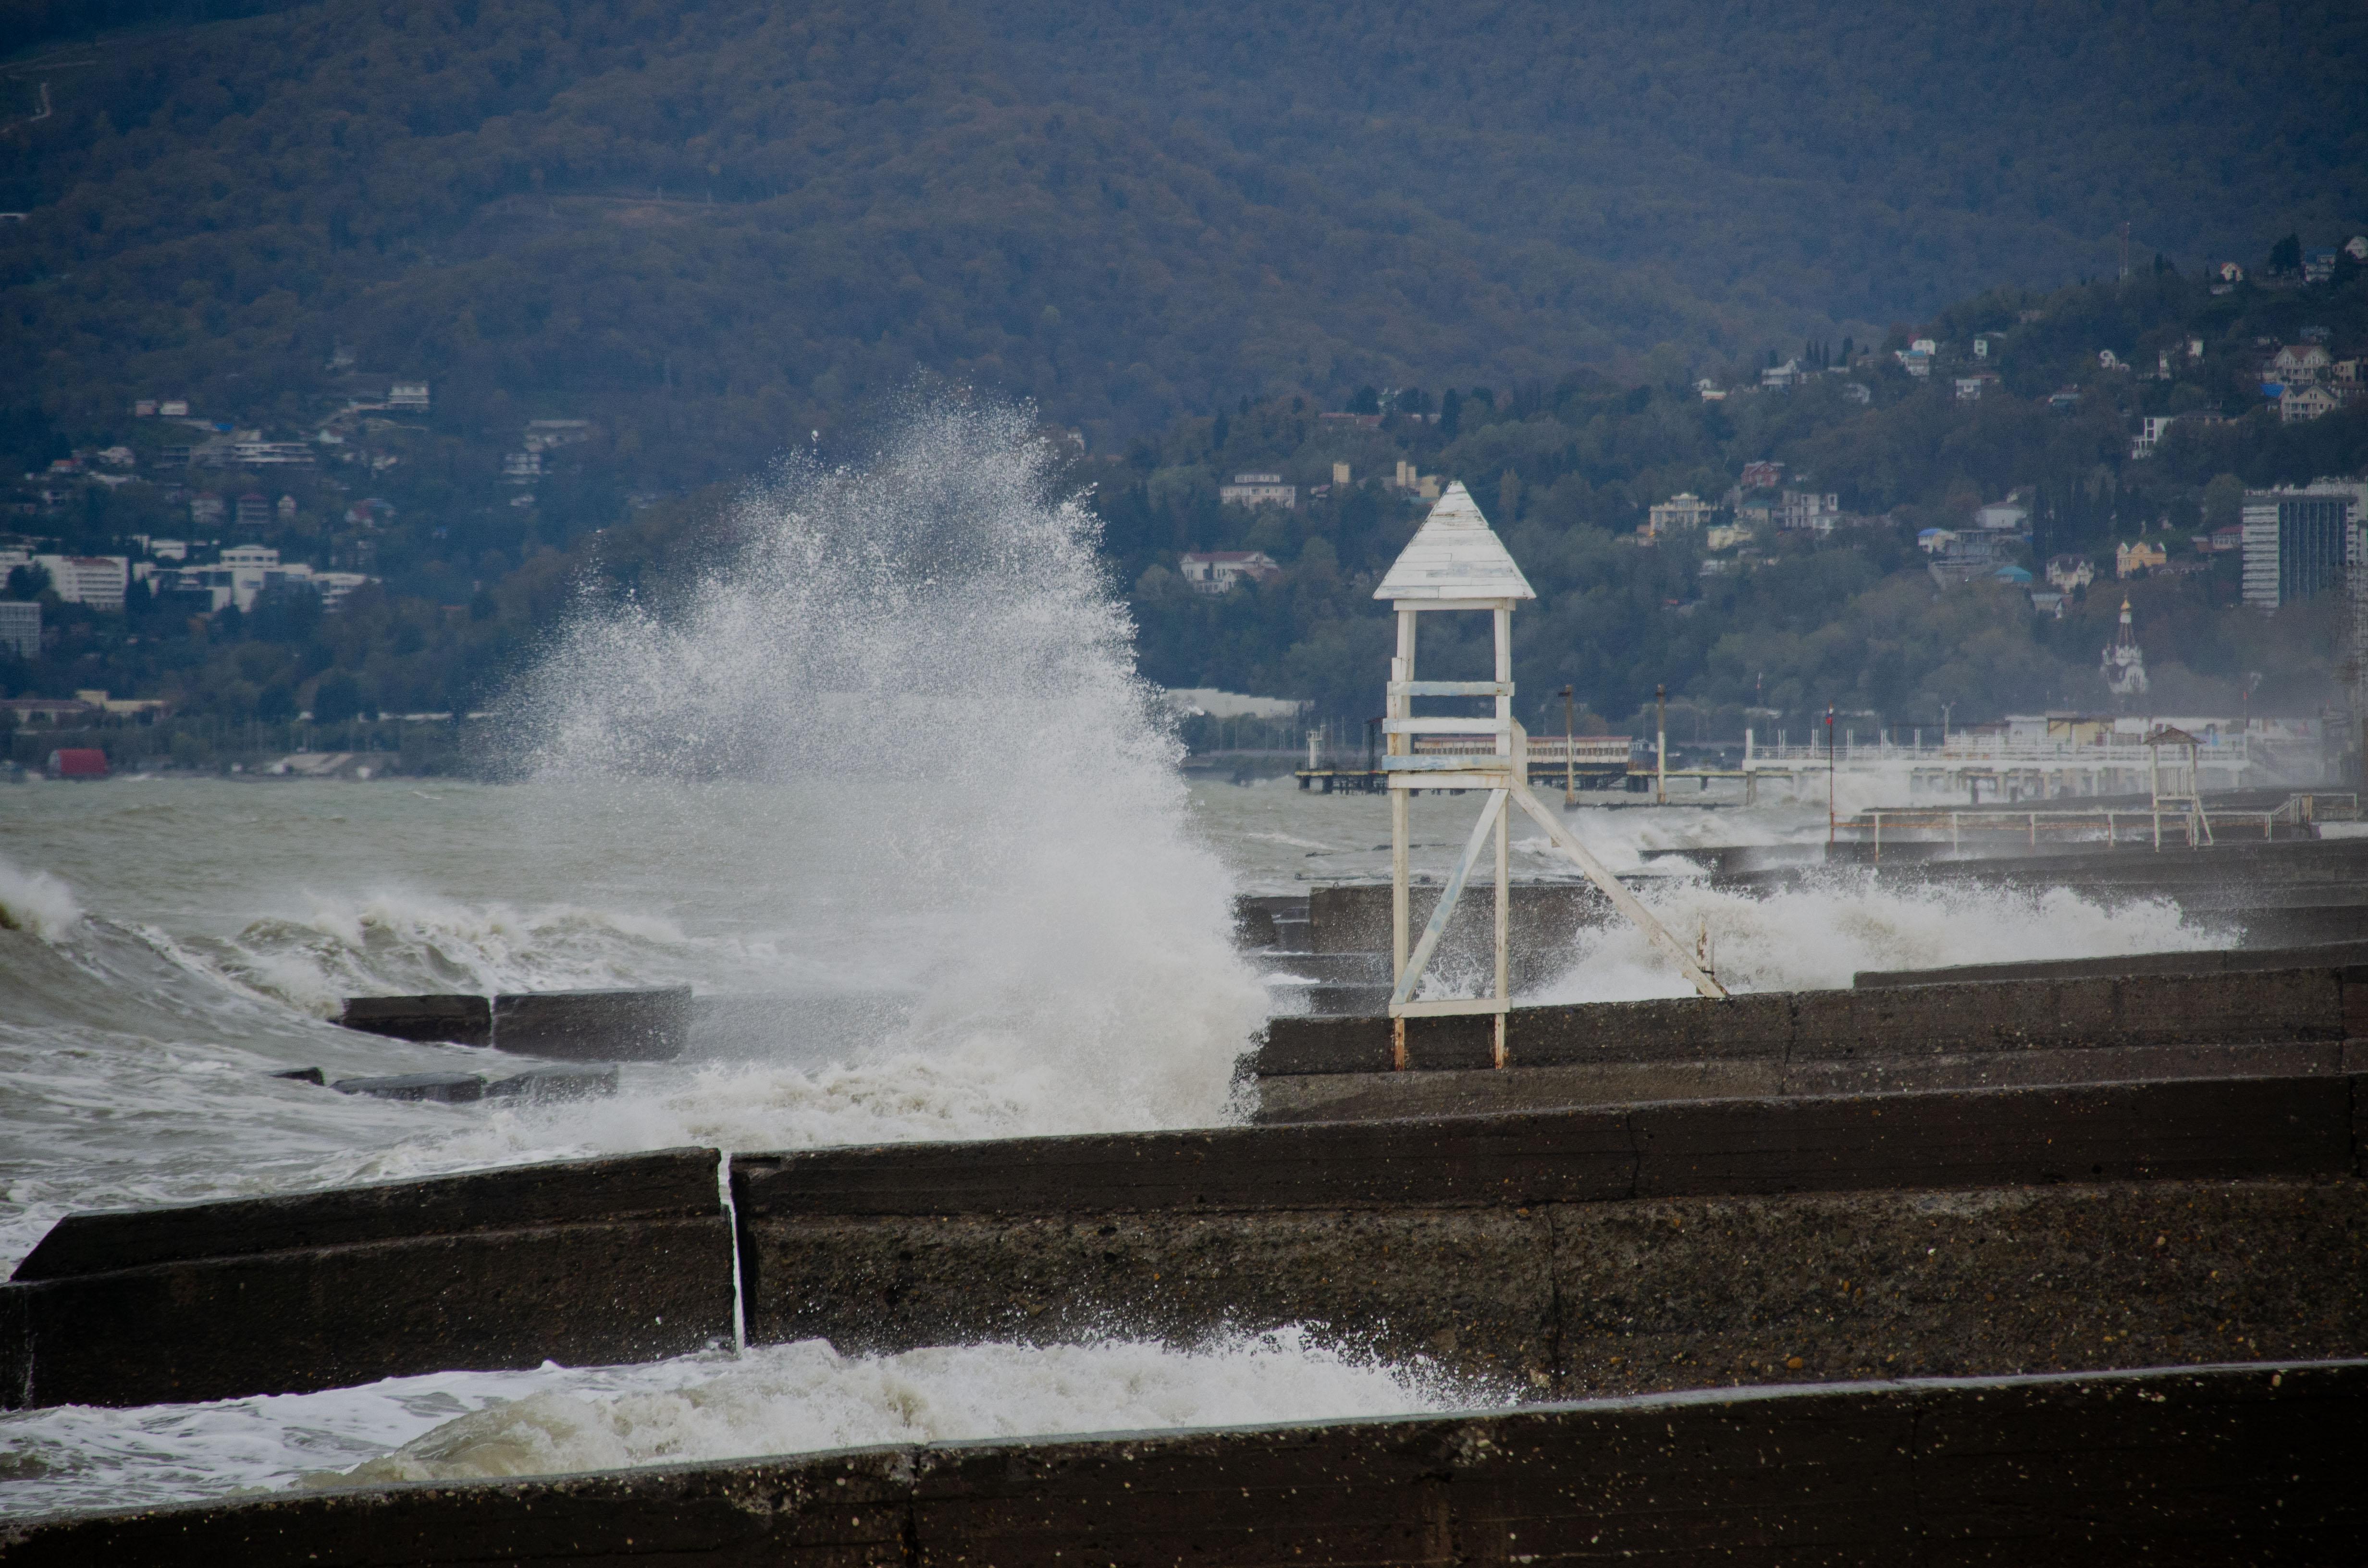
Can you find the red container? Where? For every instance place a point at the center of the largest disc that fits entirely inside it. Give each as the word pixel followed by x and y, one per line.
pixel 78 762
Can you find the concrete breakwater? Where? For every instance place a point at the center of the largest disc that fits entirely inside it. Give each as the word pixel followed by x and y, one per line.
pixel 1627 1249
pixel 2255 1464
pixel 2215 961
pixel 594 1260
pixel 2083 1029
pixel 648 1025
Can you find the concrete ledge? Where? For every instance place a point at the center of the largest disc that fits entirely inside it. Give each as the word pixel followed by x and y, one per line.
pixel 453 1019
pixel 2226 1128
pixel 595 1026
pixel 2254 1464
pixel 1357 1096
pixel 587 1261
pixel 2242 1008
pixel 568 1026
pixel 2210 960
pixel 1658 1246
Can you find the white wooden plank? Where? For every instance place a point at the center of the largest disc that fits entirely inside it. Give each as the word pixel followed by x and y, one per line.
pixel 1445 727
pixel 1448 1007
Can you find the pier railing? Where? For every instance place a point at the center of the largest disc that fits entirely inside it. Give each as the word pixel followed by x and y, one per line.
pixel 1586 750
pixel 1962 750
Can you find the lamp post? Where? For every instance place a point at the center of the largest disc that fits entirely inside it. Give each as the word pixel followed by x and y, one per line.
pixel 1569 753
pixel 1829 775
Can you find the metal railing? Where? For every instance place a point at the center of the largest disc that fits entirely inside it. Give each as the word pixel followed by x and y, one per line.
pixel 1599 750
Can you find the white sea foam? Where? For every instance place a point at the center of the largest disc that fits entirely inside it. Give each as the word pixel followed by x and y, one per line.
pixel 403 943
pixel 775 1400
pixel 806 1397
pixel 925 655
pixel 37 903
pixel 1818 936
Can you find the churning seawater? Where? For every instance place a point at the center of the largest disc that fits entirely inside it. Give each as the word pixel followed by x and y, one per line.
pixel 885 764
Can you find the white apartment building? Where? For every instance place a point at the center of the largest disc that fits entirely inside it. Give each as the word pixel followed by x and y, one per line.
pixel 1258 490
pixel 1681 513
pixel 98 581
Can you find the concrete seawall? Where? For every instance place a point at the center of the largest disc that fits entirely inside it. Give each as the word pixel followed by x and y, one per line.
pixel 1649 1247
pixel 2257 1464
pixel 2210 960
pixel 587 1261
pixel 1627 1249
pixel 1989 1033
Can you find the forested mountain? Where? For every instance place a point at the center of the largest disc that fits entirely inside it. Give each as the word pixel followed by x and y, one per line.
pixel 713 225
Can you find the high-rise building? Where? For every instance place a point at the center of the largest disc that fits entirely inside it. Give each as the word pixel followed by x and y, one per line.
pixel 20 630
pixel 2297 541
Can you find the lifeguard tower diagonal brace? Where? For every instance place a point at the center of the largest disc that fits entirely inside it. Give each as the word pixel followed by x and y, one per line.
pixel 1456 563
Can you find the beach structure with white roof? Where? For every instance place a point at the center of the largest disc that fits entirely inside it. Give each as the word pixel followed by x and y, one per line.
pixel 1455 562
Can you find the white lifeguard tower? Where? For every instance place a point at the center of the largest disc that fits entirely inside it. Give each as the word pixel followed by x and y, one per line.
pixel 1456 563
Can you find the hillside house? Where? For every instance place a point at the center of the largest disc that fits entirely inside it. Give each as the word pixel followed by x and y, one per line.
pixel 1762 475
pixel 2068 573
pixel 2297 404
pixel 255 514
pixel 1809 509
pixel 2008 516
pixel 2356 247
pixel 1781 377
pixel 2298 364
pixel 2152 428
pixel 2130 559
pixel 1681 513
pixel 1220 571
pixel 2318 266
pixel 1258 490
pixel 1970 388
pixel 412 396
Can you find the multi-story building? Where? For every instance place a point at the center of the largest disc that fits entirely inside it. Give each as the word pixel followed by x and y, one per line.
pixel 1217 571
pixel 1681 513
pixel 20 630
pixel 98 581
pixel 1808 510
pixel 1258 490
pixel 2297 541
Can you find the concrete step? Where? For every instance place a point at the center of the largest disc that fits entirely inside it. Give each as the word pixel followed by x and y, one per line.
pixel 2164 1465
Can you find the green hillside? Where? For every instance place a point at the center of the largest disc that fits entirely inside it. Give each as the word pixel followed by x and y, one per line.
pixel 715 226
pixel 1783 621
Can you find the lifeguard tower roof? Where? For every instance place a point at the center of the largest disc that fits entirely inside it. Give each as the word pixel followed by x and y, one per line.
pixel 1455 555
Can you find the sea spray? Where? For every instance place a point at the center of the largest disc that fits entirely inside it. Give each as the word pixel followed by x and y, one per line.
pixel 1818 936
pixel 37 905
pixel 924 661
pixel 782 1398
